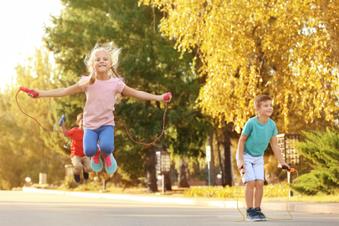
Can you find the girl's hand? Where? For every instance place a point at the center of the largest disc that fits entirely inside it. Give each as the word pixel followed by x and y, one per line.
pixel 30 92
pixel 166 97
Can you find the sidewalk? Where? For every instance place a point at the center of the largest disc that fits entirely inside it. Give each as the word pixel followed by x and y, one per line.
pixel 328 208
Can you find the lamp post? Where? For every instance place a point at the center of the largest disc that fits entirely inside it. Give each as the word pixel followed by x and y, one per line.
pixel 163 166
pixel 287 144
pixel 208 160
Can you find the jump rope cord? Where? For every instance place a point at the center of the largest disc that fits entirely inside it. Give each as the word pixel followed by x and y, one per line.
pixel 130 136
pixel 18 104
pixel 242 215
pixel 270 218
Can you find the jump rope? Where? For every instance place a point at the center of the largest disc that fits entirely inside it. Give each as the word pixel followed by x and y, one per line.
pixel 35 94
pixel 290 216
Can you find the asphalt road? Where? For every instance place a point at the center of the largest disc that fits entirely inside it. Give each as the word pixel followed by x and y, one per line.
pixel 27 209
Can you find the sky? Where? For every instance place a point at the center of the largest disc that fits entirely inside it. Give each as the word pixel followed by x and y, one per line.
pixel 22 25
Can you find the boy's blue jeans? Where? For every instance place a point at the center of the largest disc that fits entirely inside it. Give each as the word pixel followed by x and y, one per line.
pixel 102 137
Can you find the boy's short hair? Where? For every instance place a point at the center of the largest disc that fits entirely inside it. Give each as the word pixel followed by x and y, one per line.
pixel 259 99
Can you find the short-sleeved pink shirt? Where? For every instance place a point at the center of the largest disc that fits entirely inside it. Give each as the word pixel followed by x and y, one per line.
pixel 100 100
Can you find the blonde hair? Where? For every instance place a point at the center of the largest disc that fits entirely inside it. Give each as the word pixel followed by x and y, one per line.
pixel 113 52
pixel 259 99
pixel 79 117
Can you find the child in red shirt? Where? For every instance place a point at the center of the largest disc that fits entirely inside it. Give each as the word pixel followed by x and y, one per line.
pixel 80 161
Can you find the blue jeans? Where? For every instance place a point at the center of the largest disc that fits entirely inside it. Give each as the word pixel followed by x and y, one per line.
pixel 104 136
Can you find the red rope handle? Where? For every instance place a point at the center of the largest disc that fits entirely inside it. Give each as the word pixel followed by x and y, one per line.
pixel 289 169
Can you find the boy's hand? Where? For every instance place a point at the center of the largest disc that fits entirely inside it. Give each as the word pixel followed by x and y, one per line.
pixel 285 166
pixel 61 120
pixel 240 164
pixel 242 171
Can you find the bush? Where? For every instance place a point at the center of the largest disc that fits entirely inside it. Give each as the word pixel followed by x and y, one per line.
pixel 314 182
pixel 322 150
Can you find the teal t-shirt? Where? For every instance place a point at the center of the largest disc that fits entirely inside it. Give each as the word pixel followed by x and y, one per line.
pixel 258 135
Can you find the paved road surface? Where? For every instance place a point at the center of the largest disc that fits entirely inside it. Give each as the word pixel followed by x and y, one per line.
pixel 27 209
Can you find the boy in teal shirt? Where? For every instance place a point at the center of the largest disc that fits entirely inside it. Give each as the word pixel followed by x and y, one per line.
pixel 257 133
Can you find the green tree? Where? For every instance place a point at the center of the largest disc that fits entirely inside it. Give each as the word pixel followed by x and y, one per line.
pixel 148 62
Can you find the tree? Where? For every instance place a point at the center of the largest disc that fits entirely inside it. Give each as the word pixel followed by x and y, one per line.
pixel 148 62
pixel 287 49
pixel 25 148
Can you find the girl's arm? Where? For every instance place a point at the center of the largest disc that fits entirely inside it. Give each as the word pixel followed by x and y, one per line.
pixel 277 151
pixel 141 95
pixel 60 92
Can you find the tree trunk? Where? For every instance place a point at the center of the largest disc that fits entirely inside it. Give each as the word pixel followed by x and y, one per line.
pixel 223 136
pixel 227 157
pixel 183 175
pixel 221 164
pixel 212 163
pixel 151 171
pixel 168 184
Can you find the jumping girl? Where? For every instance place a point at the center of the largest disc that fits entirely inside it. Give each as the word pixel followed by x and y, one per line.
pixel 101 88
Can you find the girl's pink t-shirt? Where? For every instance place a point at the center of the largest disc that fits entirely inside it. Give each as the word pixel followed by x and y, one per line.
pixel 100 100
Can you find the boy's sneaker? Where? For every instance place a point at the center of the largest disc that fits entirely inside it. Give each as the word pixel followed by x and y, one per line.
pixel 86 175
pixel 110 164
pixel 96 163
pixel 260 214
pixel 252 215
pixel 77 178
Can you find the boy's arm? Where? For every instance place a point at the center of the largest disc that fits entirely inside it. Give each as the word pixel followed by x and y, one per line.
pixel 60 92
pixel 128 91
pixel 277 151
pixel 64 130
pixel 62 125
pixel 240 151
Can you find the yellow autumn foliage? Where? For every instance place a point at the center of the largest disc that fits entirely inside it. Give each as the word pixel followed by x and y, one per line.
pixel 287 49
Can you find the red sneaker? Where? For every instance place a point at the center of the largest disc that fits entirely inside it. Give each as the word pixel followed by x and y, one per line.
pixel 110 164
pixel 96 163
